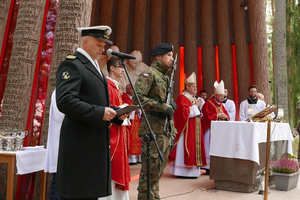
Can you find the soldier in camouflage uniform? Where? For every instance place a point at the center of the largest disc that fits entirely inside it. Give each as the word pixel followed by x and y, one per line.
pixel 151 87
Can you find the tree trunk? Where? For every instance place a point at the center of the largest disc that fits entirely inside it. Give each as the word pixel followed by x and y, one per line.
pixel 208 52
pixel 155 24
pixel 280 67
pixel 225 52
pixel 24 52
pixel 121 29
pixel 4 11
pixel 241 49
pixel 139 26
pixel 21 70
pixel 190 47
pixel 258 33
pixel 107 15
pixel 172 37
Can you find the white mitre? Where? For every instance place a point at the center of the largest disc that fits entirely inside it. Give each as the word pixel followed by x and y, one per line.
pixel 191 79
pixel 219 87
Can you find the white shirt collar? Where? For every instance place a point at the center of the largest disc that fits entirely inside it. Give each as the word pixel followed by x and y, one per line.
pixel 114 81
pixel 95 62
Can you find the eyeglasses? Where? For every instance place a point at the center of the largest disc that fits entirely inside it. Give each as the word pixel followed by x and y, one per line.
pixel 119 66
pixel 252 91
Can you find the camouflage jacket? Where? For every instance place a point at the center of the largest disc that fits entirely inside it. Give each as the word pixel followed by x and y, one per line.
pixel 151 88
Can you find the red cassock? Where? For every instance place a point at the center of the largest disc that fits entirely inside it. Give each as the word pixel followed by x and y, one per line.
pixel 194 154
pixel 134 142
pixel 118 144
pixel 210 111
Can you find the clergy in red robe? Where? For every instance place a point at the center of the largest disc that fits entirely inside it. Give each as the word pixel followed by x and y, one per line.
pixel 134 142
pixel 118 139
pixel 189 151
pixel 213 110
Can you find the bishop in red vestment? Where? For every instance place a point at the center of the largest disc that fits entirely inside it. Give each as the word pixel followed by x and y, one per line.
pixel 189 151
pixel 213 110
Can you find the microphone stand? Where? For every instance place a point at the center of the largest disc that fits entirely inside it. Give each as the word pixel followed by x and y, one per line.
pixel 149 137
pixel 276 90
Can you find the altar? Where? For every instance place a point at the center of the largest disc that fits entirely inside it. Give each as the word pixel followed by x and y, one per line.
pixel 238 152
pixel 28 161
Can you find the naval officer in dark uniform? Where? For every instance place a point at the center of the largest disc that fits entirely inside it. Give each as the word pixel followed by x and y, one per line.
pixel 84 170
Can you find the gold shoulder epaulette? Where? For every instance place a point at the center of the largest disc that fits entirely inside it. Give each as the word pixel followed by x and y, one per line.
pixel 71 57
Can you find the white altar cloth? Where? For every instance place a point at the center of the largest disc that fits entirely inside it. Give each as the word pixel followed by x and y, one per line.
pixel 28 161
pixel 238 139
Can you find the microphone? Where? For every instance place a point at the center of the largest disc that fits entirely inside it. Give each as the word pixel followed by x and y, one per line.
pixel 110 52
pixel 276 88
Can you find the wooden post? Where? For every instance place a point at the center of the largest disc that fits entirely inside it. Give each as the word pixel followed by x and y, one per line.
pixel 43 186
pixel 267 161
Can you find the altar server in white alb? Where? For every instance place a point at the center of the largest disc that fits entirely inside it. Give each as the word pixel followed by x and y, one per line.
pixel 259 105
pixel 229 106
pixel 55 120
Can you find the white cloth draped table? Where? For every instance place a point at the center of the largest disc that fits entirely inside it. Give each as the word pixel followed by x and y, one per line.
pixel 240 139
pixel 29 161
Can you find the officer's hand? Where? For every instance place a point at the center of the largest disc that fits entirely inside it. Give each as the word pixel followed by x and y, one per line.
pixel 170 111
pixel 109 114
pixel 124 116
pixel 172 143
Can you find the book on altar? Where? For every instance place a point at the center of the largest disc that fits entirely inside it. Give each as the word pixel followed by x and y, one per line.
pixel 263 115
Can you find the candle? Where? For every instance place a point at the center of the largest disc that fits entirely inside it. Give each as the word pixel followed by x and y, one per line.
pixel 280 112
pixel 250 111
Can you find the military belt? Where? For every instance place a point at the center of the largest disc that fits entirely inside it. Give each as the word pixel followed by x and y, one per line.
pixel 157 114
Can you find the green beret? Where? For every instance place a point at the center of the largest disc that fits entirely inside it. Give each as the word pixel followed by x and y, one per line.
pixel 161 49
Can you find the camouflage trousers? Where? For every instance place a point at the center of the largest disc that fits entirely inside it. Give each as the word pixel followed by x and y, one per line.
pixel 156 166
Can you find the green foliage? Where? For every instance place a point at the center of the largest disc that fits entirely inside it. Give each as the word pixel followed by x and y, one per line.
pixel 293 52
pixel 293 55
pixel 292 156
pixel 270 31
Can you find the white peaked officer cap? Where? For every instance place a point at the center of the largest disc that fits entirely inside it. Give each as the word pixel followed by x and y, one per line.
pixel 191 79
pixel 100 32
pixel 219 87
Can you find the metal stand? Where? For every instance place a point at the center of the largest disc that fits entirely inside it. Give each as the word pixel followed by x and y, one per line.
pixel 148 138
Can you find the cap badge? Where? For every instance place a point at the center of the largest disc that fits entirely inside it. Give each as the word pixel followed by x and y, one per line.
pixel 106 31
pixel 65 75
